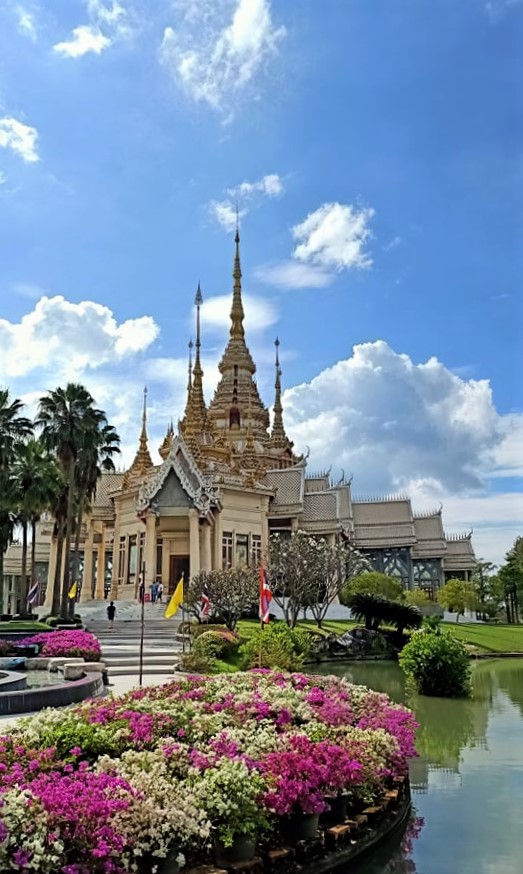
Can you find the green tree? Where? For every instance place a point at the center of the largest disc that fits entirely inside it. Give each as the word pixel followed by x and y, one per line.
pixel 38 481
pixel 511 576
pixel 231 592
pixel 481 581
pixel 14 429
pixel 95 456
pixel 416 598
pixel 457 596
pixel 437 664
pixel 373 583
pixel 68 420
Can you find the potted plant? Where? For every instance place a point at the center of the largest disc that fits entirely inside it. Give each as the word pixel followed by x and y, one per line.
pixel 231 796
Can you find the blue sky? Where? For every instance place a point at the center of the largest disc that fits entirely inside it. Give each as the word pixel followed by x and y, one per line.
pixel 373 148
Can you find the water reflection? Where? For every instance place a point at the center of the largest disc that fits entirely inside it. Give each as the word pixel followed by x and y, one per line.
pixel 468 780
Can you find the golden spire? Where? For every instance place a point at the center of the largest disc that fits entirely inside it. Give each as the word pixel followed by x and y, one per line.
pixel 142 460
pixel 237 313
pixel 250 458
pixel 189 384
pixel 195 419
pixel 278 436
pixel 167 441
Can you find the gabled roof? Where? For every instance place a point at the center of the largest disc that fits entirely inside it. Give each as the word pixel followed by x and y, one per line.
pixel 287 485
pixel 381 523
pixel 430 537
pixel 107 485
pixel 194 484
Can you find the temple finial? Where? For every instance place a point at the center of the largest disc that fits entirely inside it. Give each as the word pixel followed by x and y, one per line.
pixel 142 460
pixel 196 413
pixel 278 436
pixel 237 313
pixel 189 380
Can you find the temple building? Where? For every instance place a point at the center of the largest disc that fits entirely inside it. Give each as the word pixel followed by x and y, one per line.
pixel 225 480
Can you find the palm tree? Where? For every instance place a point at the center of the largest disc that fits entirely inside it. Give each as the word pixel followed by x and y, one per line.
pixel 37 481
pixel 95 456
pixel 14 428
pixel 68 419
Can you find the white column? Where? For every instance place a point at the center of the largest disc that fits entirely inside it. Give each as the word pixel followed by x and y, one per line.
pixel 150 551
pixel 217 542
pixel 194 542
pixel 100 569
pixel 88 567
pixel 207 547
pixel 48 603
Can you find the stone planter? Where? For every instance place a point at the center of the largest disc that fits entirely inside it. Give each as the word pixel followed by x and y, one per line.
pixel 169 865
pixel 299 827
pixel 338 808
pixel 243 849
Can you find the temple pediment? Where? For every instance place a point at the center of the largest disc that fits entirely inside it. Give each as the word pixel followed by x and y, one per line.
pixel 177 480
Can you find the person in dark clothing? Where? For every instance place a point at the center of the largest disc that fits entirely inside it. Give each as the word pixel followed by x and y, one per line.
pixel 111 613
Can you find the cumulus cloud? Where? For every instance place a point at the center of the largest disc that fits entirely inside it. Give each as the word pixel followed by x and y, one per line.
pixel 259 313
pixel 392 421
pixel 497 9
pixel 334 237
pixel 74 336
pixel 107 23
pixel 19 137
pixel 242 198
pixel 330 239
pixel 218 48
pixel 85 38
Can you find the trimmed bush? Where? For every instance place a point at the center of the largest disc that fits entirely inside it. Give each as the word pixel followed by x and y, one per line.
pixel 67 643
pixel 276 647
pixel 437 664
pixel 216 644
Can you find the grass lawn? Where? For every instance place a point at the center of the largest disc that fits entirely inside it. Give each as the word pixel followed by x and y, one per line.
pixel 24 625
pixel 491 638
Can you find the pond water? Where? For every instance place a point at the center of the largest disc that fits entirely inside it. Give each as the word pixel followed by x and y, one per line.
pixel 467 784
pixel 43 678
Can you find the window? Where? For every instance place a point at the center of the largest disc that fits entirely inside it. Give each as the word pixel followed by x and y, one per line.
pixel 226 550
pixel 256 552
pixel 159 558
pixel 121 560
pixel 241 557
pixel 133 559
pixel 141 551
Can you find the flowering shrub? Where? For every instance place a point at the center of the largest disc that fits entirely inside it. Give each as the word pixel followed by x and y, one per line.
pixel 76 644
pixel 169 768
pixel 215 644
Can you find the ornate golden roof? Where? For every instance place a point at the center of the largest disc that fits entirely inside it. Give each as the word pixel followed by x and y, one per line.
pixel 142 461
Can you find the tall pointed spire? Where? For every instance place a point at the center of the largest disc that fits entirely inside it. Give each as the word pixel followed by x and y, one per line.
pixel 237 313
pixel 278 436
pixel 142 460
pixel 196 416
pixel 189 377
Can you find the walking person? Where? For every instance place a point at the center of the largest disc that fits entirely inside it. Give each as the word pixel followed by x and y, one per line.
pixel 111 613
pixel 159 593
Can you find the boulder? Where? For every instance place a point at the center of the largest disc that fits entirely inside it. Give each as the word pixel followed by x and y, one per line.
pixel 73 672
pixel 37 664
pixel 94 667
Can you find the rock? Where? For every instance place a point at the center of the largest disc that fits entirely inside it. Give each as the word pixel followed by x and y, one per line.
pixel 56 663
pixel 73 672
pixel 37 664
pixel 70 662
pixel 94 667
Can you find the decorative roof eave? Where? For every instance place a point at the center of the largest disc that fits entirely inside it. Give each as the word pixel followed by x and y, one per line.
pixel 199 490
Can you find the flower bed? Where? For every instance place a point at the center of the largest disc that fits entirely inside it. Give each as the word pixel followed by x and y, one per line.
pixel 66 643
pixel 114 782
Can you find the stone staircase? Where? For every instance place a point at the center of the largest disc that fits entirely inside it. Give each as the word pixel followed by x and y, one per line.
pixel 121 644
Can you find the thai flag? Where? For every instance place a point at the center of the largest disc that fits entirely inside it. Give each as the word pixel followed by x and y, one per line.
pixel 265 595
pixel 32 594
pixel 205 603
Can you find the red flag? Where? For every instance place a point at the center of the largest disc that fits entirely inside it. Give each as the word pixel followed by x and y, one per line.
pixel 265 595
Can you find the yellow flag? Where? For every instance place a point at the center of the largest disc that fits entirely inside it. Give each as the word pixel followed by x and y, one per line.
pixel 72 591
pixel 176 600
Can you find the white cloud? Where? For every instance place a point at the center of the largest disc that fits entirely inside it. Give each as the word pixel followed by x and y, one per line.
pixel 259 313
pixel 497 9
pixel 391 420
pixel 217 48
pixel 26 23
pixel 3 178
pixel 85 38
pixel 107 24
pixel 28 289
pixel 58 334
pixel 334 237
pixel 291 274
pixel 331 239
pixel 244 197
pixel 19 137
pixel 224 212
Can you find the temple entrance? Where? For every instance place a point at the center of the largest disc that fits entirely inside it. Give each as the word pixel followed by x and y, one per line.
pixel 179 566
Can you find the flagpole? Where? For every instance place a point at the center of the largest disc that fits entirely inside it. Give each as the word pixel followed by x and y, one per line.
pixel 183 620
pixel 142 624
